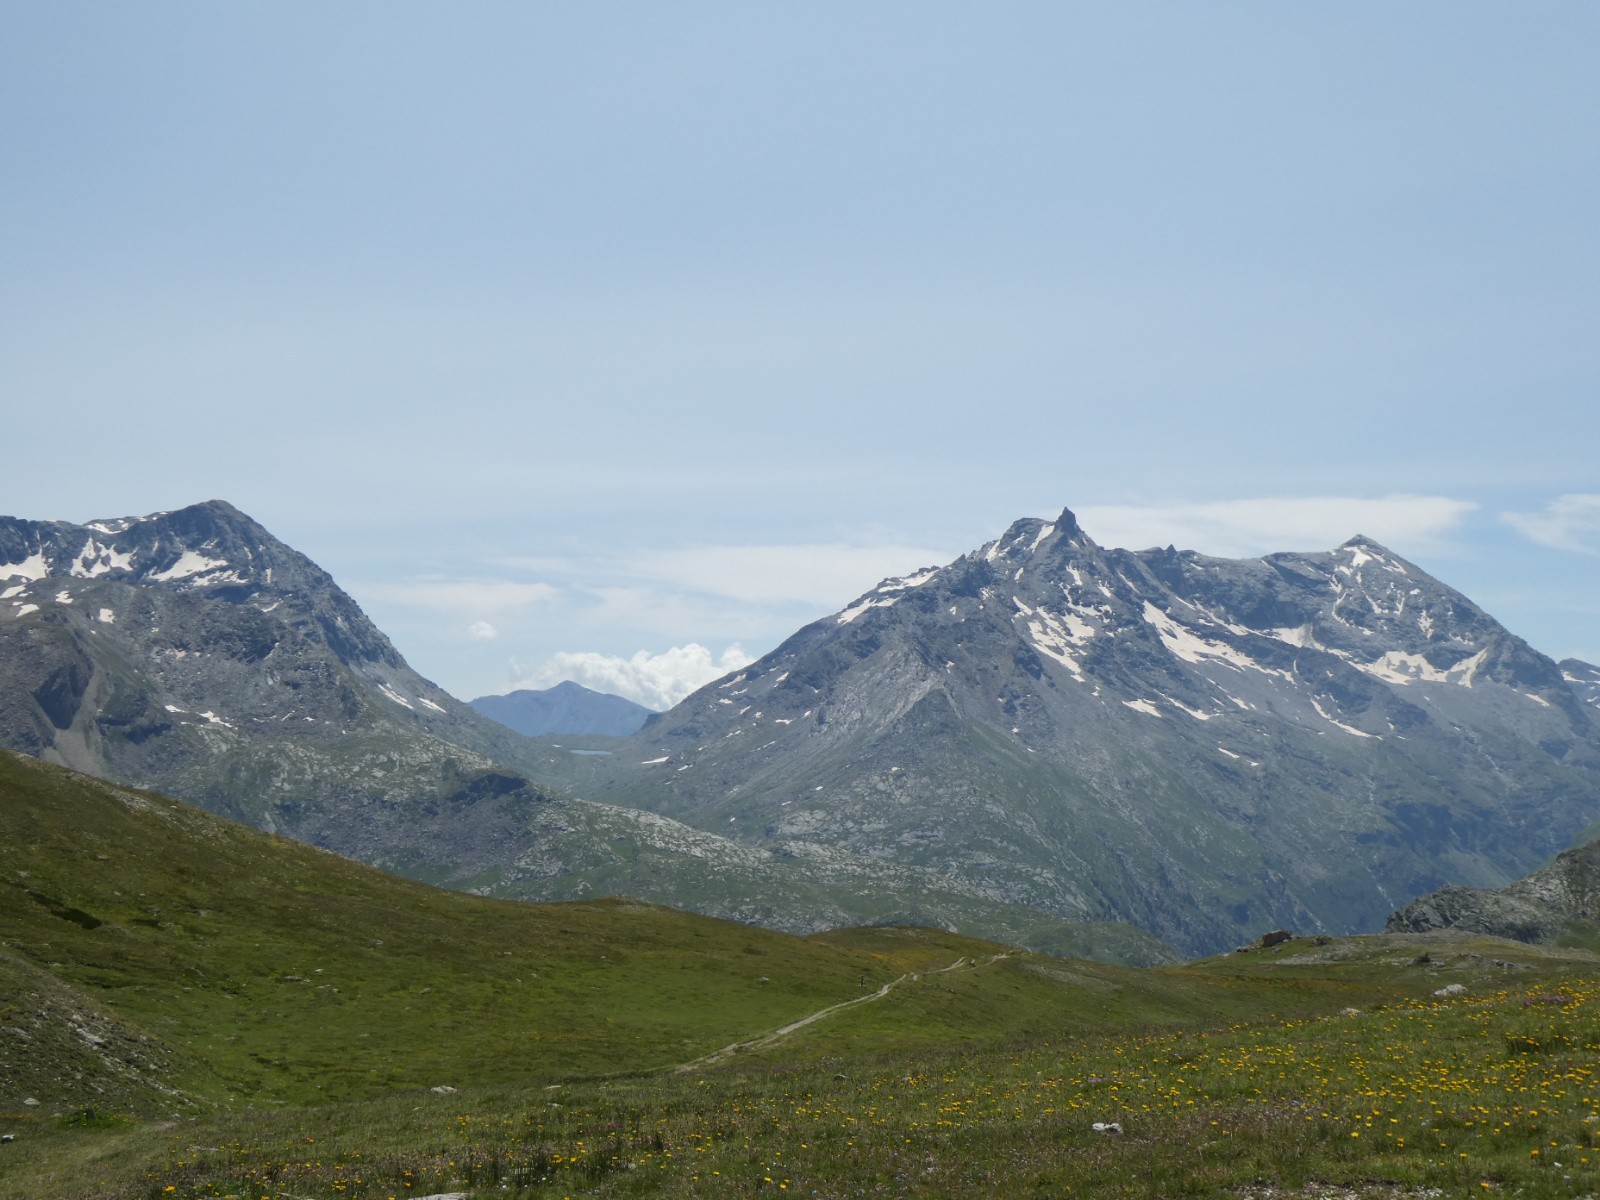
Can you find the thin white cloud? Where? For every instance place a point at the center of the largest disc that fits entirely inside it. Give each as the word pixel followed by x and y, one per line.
pixel 656 681
pixel 666 616
pixel 828 574
pixel 482 631
pixel 477 598
pixel 1236 528
pixel 1570 522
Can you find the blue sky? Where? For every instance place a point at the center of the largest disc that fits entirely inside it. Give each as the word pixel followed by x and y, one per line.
pixel 619 340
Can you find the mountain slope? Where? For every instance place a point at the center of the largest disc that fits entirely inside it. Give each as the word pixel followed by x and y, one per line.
pixel 1202 747
pixel 224 963
pixel 565 708
pixel 1584 679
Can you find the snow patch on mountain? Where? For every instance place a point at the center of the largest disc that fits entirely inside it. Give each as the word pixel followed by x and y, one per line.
pixel 33 568
pixel 190 563
pixel 1197 714
pixel 1333 720
pixel 95 560
pixel 394 695
pixel 906 582
pixel 1192 648
pixel 1054 635
pixel 862 606
pixel 1300 635
pixel 1397 666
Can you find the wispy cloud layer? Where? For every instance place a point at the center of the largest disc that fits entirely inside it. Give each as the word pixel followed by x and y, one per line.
pixel 476 598
pixel 1237 528
pixel 829 574
pixel 1570 522
pixel 657 681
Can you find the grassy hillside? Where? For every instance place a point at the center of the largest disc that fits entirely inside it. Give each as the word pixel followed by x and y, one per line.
pixel 275 972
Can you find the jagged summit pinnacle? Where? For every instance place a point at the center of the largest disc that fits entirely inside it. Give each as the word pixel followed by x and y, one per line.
pixel 1067 525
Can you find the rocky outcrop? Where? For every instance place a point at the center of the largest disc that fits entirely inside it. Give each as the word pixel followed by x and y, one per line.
pixel 1541 907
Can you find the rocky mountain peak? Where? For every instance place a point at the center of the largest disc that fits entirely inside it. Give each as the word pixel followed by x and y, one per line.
pixel 1364 542
pixel 1030 537
pixel 999 717
pixel 210 549
pixel 1068 529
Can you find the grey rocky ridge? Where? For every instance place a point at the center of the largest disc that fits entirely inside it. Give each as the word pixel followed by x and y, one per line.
pixel 1202 747
pixel 193 653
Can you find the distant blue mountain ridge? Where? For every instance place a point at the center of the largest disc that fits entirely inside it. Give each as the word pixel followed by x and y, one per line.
pixel 568 708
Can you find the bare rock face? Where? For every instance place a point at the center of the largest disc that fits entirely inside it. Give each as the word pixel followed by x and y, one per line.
pixel 1540 907
pixel 1583 678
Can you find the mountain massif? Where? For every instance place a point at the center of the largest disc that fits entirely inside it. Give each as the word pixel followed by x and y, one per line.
pixel 193 653
pixel 1202 747
pixel 1046 741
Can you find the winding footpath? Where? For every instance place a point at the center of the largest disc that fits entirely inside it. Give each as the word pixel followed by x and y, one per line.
pixel 771 1038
